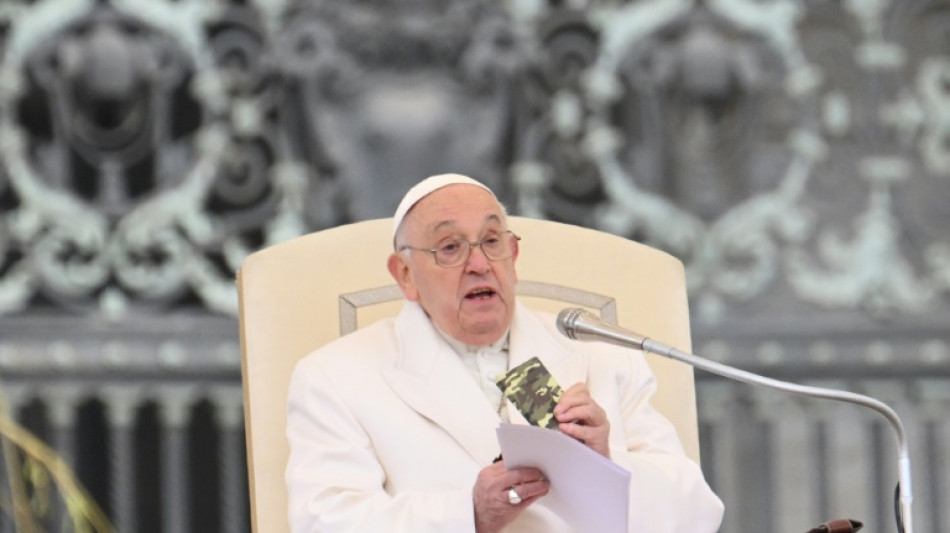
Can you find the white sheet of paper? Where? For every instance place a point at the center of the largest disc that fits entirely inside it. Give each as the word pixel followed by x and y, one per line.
pixel 588 491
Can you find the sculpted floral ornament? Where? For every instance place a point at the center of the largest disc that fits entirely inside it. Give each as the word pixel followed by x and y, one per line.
pixel 728 223
pixel 149 146
pixel 749 121
pixel 111 180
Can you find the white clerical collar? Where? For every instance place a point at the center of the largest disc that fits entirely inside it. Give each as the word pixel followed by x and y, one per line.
pixel 462 348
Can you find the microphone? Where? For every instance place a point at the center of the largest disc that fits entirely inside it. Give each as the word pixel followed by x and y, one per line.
pixel 580 324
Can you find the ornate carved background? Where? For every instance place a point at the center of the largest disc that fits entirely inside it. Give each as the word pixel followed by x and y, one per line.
pixel 795 154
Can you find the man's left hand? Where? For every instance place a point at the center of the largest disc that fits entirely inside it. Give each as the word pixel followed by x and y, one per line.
pixel 580 417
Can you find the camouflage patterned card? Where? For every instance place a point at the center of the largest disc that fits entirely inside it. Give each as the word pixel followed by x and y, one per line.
pixel 533 390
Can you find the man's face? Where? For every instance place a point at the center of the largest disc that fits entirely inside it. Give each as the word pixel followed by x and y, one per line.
pixel 474 302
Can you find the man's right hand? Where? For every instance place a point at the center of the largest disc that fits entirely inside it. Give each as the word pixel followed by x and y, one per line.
pixel 493 511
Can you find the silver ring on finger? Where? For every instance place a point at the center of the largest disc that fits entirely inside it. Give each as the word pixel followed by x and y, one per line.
pixel 513 497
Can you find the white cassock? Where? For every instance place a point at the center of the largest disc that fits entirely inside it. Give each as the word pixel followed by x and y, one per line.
pixel 388 431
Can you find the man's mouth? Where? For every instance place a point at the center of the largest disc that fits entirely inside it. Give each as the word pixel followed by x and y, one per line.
pixel 480 294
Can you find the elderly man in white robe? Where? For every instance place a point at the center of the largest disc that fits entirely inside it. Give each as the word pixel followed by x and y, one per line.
pixel 392 427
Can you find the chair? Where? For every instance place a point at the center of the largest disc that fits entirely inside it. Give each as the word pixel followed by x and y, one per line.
pixel 300 294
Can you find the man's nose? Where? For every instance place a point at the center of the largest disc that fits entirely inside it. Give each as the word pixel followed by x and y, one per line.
pixel 477 260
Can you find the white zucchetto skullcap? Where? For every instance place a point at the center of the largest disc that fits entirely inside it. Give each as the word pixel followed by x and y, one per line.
pixel 425 188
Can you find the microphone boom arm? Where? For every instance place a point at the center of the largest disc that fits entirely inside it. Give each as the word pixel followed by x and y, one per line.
pixel 580 324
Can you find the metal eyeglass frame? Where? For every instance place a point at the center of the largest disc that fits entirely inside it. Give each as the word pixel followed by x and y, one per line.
pixel 464 258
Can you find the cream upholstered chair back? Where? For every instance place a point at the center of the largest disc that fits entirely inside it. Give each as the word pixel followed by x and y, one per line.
pixel 298 295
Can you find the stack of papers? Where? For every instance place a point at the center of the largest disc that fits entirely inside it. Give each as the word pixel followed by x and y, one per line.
pixel 588 491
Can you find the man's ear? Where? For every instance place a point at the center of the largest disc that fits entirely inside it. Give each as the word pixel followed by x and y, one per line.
pixel 399 270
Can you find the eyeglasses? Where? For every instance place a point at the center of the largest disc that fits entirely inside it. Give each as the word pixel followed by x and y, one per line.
pixel 455 252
